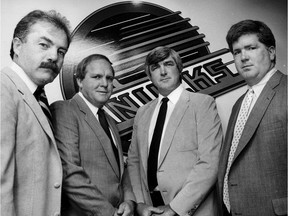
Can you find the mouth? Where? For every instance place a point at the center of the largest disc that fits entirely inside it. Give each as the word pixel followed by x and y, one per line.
pixel 246 66
pixel 165 79
pixel 102 92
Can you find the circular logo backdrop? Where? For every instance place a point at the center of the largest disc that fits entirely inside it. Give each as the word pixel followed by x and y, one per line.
pixel 126 32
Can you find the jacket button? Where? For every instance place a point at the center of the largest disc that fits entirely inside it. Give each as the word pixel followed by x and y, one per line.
pixel 56 185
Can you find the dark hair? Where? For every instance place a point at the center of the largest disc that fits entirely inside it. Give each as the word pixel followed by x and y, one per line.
pixel 159 54
pixel 81 67
pixel 245 27
pixel 22 29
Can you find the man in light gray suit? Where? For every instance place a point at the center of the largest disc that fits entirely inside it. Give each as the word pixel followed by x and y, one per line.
pixel 252 176
pixel 176 173
pixel 31 171
pixel 94 181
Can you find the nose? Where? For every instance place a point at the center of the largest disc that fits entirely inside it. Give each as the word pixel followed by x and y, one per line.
pixel 53 55
pixel 104 82
pixel 244 55
pixel 162 70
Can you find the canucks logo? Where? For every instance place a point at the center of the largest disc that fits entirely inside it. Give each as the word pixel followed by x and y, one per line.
pixel 126 33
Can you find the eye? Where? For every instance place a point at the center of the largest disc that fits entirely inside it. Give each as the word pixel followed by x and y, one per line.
pixel 62 53
pixel 236 52
pixel 110 79
pixel 154 67
pixel 44 45
pixel 169 63
pixel 251 48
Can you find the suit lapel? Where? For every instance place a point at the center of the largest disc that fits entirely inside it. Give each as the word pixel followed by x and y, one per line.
pixel 258 112
pixel 30 100
pixel 94 124
pixel 145 121
pixel 176 117
pixel 115 133
pixel 228 140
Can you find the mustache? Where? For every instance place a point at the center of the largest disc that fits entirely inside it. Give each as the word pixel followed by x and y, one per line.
pixel 50 65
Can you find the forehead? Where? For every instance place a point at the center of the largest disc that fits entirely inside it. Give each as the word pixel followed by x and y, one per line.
pixel 246 39
pixel 99 66
pixel 168 59
pixel 49 30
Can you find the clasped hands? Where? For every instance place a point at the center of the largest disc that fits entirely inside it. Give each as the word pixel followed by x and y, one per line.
pixel 146 210
pixel 126 209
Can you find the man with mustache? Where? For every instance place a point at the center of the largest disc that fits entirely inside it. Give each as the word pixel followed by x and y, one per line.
pixel 94 181
pixel 31 171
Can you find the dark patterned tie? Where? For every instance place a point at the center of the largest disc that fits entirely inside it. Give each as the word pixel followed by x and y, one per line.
pixel 105 126
pixel 40 96
pixel 154 147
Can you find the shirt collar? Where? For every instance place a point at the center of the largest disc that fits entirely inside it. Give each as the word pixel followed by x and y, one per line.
pixel 173 96
pixel 93 108
pixel 259 86
pixel 26 79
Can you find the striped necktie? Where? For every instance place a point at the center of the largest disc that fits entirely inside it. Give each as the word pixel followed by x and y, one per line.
pixel 40 96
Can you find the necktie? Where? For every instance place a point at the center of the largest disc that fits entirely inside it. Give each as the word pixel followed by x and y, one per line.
pixel 105 126
pixel 40 96
pixel 241 120
pixel 154 147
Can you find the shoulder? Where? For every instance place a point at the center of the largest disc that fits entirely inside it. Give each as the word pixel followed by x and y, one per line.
pixel 197 99
pixel 63 106
pixel 146 107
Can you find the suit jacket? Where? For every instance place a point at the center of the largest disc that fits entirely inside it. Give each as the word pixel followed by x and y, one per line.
pixel 92 181
pixel 258 176
pixel 31 171
pixel 188 164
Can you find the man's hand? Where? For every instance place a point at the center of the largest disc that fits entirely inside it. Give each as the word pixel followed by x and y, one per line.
pixel 167 210
pixel 126 209
pixel 146 210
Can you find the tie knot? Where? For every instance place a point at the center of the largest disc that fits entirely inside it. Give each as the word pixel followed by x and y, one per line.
pixel 250 93
pixel 100 111
pixel 39 93
pixel 165 100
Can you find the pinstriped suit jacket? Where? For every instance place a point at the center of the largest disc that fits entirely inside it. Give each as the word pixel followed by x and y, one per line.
pixel 92 181
pixel 258 175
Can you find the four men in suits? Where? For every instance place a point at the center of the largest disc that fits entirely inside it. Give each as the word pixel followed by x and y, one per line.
pixel 31 171
pixel 94 181
pixel 187 162
pixel 252 177
pixel 174 152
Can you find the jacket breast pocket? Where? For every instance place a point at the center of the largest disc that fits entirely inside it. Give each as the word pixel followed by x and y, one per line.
pixel 280 206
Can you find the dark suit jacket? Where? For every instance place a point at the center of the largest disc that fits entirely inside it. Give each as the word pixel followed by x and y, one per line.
pixel 31 171
pixel 258 174
pixel 92 181
pixel 188 163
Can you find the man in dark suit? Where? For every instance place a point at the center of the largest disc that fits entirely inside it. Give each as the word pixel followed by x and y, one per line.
pixel 252 177
pixel 177 177
pixel 31 171
pixel 94 181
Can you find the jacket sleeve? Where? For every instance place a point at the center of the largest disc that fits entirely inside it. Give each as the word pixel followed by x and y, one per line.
pixel 8 140
pixel 133 163
pixel 77 184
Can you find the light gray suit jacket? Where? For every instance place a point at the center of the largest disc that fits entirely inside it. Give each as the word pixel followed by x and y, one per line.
pixel 31 171
pixel 258 174
pixel 188 164
pixel 93 183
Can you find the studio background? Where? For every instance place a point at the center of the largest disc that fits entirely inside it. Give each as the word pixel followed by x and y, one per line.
pixel 214 18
